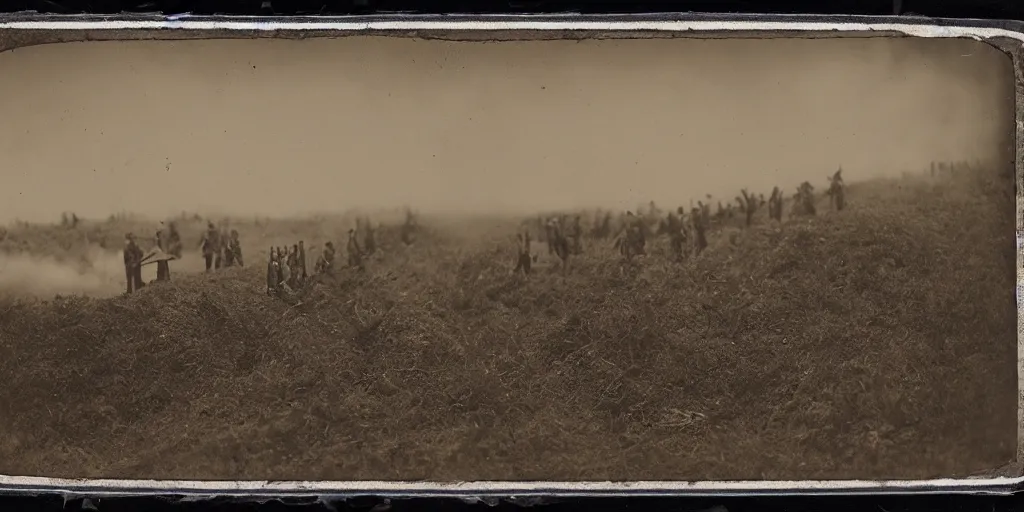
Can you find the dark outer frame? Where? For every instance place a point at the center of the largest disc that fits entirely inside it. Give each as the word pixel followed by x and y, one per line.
pixel 29 29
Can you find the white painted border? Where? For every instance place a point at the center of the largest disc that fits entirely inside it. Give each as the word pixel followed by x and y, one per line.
pixel 347 25
pixel 100 487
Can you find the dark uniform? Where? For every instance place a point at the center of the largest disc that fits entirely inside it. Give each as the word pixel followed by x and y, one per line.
pixel 700 239
pixel 302 261
pixel 675 232
pixel 576 233
pixel 523 259
pixel 234 250
pixel 355 254
pixel 129 256
pixel 272 272
pixel 325 264
pixel 173 241
pixel 163 267
pixel 211 247
pixel 836 190
pixel 133 264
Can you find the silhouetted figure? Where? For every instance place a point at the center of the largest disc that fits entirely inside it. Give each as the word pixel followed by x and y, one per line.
pixel 523 260
pixel 211 247
pixel 133 264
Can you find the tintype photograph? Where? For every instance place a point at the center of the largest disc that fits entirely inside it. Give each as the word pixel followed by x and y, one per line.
pixel 398 258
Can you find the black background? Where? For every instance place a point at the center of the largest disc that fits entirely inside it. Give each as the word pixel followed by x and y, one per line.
pixel 1008 10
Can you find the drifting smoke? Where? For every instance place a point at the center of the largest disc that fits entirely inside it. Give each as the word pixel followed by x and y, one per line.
pixel 95 273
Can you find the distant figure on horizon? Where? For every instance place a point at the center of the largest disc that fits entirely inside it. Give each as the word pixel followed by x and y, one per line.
pixel 775 205
pixel 750 206
pixel 804 197
pixel 838 176
pixel 576 235
pixel 225 238
pixel 560 244
pixel 837 191
pixel 284 274
pixel 408 227
pixel 676 236
pixel 293 265
pixel 325 265
pixel 523 259
pixel 630 241
pixel 233 252
pixel 211 247
pixel 302 261
pixel 272 272
pixel 549 234
pixel 173 241
pixel 700 241
pixel 163 266
pixel 355 253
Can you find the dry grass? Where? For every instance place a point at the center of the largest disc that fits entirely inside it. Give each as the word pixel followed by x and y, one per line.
pixel 876 343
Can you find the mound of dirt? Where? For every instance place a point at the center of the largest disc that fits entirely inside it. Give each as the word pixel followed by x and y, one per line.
pixel 878 342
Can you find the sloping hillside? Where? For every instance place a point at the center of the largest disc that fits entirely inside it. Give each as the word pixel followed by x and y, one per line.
pixel 875 343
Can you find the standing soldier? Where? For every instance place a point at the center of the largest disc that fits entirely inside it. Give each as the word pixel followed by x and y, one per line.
pixel 133 263
pixel 675 232
pixel 560 244
pixel 639 227
pixel 225 242
pixel 302 261
pixel 293 265
pixel 576 235
pixel 749 206
pixel 775 205
pixel 129 262
pixel 523 260
pixel 211 247
pixel 173 241
pixel 229 255
pixel 355 254
pixel 408 227
pixel 235 248
pixel 325 264
pixel 705 214
pixel 836 190
pixel 700 239
pixel 272 272
pixel 163 267
pixel 369 241
pixel 629 242
pixel 284 273
pixel 807 198
pixel 549 234
pixel 838 176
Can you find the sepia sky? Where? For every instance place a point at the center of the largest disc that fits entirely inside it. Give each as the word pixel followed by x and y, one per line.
pixel 286 127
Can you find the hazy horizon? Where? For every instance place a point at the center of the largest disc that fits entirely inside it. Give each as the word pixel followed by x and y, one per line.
pixel 282 127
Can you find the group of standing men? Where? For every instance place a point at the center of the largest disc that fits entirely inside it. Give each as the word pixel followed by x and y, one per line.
pixel 166 248
pixel 286 267
pixel 683 228
pixel 221 248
